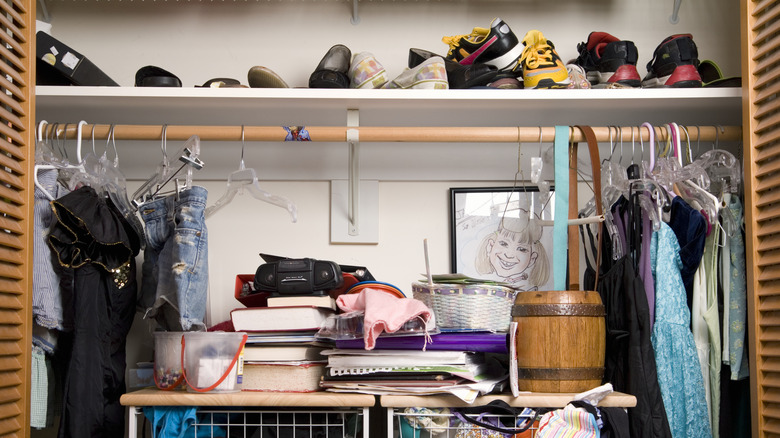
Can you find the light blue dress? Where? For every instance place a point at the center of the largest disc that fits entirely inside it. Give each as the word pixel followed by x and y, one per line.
pixel 737 297
pixel 677 363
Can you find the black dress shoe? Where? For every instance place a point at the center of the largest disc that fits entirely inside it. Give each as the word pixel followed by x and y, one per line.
pixel 152 76
pixel 459 76
pixel 332 70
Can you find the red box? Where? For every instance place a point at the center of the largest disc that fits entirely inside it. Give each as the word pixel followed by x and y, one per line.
pixel 256 299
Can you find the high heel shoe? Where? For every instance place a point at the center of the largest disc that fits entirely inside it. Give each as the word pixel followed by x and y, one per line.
pixel 459 76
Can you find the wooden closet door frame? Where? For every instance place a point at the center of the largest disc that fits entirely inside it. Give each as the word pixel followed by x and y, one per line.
pixel 761 126
pixel 17 139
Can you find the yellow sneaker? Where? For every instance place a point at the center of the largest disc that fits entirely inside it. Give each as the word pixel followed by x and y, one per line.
pixel 541 65
pixel 497 46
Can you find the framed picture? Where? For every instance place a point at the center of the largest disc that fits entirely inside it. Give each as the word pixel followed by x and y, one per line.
pixel 498 233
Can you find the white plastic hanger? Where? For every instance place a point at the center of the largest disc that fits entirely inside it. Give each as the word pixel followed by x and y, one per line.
pixel 246 178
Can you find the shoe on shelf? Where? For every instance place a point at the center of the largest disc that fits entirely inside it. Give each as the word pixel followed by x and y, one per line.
pixel 332 70
pixel 264 77
pixel 222 83
pixel 153 76
pixel 712 76
pixel 540 63
pixel 577 77
pixel 431 74
pixel 608 61
pixel 675 64
pixel 459 76
pixel 497 46
pixel 506 83
pixel 366 72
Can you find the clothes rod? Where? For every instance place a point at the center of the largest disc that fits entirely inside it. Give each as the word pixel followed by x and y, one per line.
pixel 386 134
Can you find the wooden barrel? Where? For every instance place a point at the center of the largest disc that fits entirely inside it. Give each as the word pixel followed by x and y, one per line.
pixel 561 338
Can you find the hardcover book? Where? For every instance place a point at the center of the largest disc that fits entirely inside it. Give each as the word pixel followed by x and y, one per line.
pixel 279 319
pixel 276 353
pixel 283 377
pixel 302 300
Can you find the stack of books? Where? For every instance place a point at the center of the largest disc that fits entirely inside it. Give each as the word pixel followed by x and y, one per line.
pixel 282 353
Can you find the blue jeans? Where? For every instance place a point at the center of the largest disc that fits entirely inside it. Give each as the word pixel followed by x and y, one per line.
pixel 175 271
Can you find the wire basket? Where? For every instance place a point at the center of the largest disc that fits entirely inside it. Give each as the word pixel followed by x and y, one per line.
pixel 470 307
pixel 443 423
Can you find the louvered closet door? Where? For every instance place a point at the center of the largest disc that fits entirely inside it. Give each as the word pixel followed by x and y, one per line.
pixel 17 115
pixel 761 58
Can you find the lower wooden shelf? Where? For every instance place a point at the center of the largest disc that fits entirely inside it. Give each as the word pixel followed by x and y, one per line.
pixel 156 397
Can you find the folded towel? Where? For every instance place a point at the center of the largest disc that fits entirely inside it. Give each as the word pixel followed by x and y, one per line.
pixel 383 312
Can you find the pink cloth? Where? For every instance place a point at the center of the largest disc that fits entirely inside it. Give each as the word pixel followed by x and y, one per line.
pixel 382 312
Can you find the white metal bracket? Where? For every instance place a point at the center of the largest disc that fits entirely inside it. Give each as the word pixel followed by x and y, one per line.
pixel 355 19
pixel 361 213
pixel 353 140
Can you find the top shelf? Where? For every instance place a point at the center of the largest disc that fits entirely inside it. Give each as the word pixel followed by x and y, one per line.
pixel 327 107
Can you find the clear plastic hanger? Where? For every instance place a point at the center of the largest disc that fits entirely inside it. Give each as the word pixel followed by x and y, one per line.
pixel 246 178
pixel 115 185
pixel 44 153
pixel 691 191
pixel 721 166
pixel 187 155
pixel 51 161
pixel 613 179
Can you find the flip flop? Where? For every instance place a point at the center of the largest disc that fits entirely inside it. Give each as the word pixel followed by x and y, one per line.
pixel 711 76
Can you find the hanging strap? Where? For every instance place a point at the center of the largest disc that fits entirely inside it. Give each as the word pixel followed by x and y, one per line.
pixel 566 200
pixel 560 224
pixel 595 162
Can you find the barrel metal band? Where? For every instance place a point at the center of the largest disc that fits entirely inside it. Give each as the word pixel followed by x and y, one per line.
pixel 558 310
pixel 560 373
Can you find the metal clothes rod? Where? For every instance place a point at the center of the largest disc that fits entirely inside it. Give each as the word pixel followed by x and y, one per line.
pixel 386 134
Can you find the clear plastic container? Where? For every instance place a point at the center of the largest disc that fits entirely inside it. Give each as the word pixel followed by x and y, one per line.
pixel 213 361
pixel 167 360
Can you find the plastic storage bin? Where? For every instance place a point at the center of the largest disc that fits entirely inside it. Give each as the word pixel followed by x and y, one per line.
pixel 213 361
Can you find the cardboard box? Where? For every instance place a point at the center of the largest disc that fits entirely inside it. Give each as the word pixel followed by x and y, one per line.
pixel 58 64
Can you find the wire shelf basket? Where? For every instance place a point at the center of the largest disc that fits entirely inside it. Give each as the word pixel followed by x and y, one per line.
pixel 293 423
pixel 444 423
pixel 247 422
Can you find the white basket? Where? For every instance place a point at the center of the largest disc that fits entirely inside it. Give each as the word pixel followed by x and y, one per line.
pixel 471 307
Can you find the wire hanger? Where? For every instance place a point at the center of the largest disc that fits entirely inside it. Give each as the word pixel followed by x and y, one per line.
pixel 246 178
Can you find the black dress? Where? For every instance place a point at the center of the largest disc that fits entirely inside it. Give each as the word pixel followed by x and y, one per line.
pixel 629 358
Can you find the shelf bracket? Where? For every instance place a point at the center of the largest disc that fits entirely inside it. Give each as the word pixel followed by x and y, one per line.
pixel 354 217
pixel 675 17
pixel 355 19
pixel 353 140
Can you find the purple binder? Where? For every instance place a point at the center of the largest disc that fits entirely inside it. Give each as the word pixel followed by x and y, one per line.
pixel 486 342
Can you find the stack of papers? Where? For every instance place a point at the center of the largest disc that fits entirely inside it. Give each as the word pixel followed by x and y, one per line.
pixel 464 374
